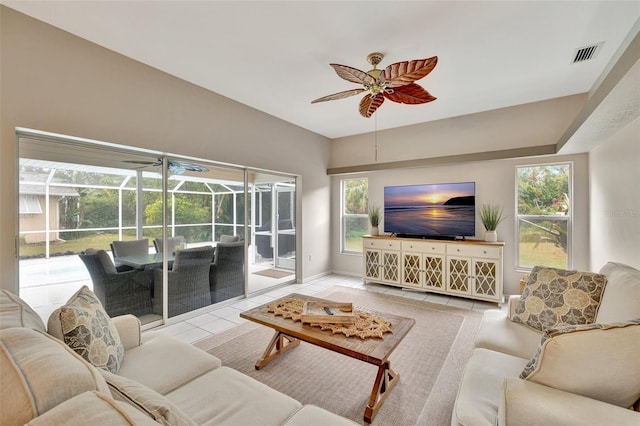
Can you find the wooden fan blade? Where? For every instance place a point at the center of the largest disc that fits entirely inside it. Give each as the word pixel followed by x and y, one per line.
pixel 403 73
pixel 409 94
pixel 369 104
pixel 339 95
pixel 353 75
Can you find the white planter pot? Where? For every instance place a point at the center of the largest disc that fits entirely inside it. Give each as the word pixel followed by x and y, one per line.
pixel 374 230
pixel 491 236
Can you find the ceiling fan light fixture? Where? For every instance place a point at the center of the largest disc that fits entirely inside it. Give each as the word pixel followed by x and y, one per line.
pixel 396 83
pixel 374 59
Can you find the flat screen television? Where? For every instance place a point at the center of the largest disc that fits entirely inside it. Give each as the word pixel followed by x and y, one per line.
pixel 442 210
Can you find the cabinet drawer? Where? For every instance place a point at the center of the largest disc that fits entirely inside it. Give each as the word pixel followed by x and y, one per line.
pixel 473 250
pixel 424 247
pixel 382 244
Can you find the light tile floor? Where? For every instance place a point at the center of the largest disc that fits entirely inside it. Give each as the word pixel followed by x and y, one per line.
pixel 219 319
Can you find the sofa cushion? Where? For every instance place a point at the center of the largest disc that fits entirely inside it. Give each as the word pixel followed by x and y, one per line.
pixel 555 297
pixel 147 400
pixel 524 403
pixel 129 330
pixel 594 360
pixel 498 333
pixel 130 247
pixel 178 361
pixel 621 298
pixel 15 312
pixel 83 324
pixel 92 408
pixel 104 259
pixel 106 262
pixel 226 396
pixel 479 392
pixel 310 415
pixel 39 372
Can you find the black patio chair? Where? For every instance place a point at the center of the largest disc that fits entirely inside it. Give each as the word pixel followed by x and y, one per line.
pixel 188 286
pixel 226 275
pixel 120 293
pixel 172 243
pixel 128 248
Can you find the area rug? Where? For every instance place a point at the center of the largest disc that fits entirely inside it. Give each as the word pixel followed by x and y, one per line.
pixel 429 360
pixel 273 273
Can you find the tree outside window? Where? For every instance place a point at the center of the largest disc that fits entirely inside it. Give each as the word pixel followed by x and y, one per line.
pixel 544 215
pixel 355 195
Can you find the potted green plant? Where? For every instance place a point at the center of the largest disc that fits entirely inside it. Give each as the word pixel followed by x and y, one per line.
pixel 491 216
pixel 374 219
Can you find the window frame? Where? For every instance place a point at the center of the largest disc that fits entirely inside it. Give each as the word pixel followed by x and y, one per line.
pixel 344 216
pixel 568 217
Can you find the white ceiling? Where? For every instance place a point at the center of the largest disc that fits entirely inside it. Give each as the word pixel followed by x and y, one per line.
pixel 274 56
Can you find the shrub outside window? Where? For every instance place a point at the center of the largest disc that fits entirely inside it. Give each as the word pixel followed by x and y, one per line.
pixel 354 197
pixel 543 215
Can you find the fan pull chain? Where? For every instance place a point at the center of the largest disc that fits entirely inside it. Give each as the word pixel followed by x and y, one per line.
pixel 375 137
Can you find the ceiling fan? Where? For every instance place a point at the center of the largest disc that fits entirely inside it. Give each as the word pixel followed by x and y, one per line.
pixel 395 82
pixel 175 167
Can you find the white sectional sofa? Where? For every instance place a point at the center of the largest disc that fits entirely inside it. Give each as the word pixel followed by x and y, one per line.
pixel 159 379
pixel 584 375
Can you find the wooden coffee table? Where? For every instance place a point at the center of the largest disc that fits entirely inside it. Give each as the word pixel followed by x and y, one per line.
pixel 373 350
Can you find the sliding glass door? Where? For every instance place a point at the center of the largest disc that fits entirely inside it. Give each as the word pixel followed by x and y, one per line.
pixel 139 222
pixel 78 204
pixel 272 247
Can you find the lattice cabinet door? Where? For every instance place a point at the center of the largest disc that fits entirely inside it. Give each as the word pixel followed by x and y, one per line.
pixel 485 273
pixel 471 269
pixel 411 269
pixel 459 275
pixel 434 273
pixel 391 266
pixel 372 263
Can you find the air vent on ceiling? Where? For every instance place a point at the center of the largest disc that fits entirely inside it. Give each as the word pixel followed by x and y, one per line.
pixel 588 52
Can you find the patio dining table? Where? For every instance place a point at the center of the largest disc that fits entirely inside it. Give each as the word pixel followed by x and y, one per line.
pixel 143 261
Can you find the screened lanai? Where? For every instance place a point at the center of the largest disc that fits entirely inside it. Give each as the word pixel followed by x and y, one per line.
pixel 96 194
pixel 99 201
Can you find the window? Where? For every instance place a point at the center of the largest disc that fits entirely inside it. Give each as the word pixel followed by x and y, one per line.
pixel 543 216
pixel 29 204
pixel 354 214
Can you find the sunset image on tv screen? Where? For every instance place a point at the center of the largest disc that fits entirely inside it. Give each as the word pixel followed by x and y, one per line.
pixel 446 209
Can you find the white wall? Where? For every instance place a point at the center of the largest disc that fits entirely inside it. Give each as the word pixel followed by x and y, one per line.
pixel 53 81
pixel 615 199
pixel 522 126
pixel 495 182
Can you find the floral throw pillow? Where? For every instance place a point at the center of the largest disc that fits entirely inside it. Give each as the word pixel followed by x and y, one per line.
pixel 88 330
pixel 556 297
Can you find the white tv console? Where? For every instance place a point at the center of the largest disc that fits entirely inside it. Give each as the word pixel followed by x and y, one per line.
pixel 468 268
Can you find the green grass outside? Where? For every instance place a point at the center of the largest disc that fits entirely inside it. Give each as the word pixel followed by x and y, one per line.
pixel 353 244
pixel 96 241
pixel 545 254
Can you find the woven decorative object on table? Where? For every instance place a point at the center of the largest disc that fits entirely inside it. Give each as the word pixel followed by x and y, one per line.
pixel 366 325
